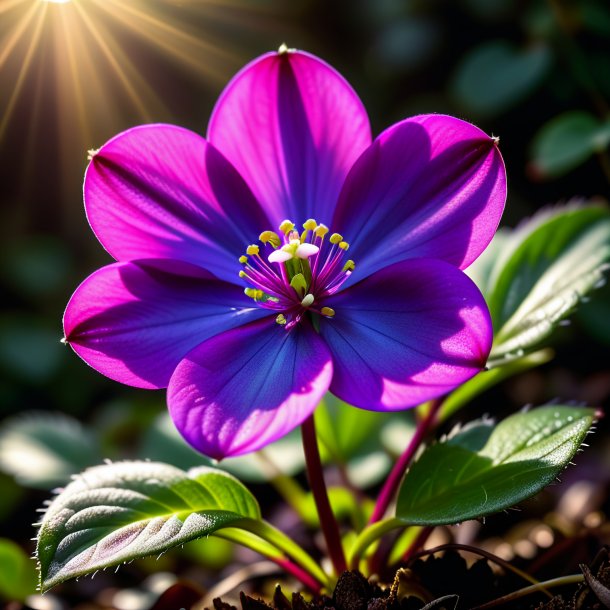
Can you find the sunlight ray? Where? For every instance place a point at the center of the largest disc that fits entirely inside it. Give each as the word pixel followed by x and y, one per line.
pixel 19 31
pixel 27 61
pixel 114 63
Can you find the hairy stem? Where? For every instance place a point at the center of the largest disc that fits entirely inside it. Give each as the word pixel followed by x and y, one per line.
pixel 315 475
pixel 390 487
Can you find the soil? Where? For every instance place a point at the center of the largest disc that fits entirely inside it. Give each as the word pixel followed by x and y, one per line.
pixel 438 583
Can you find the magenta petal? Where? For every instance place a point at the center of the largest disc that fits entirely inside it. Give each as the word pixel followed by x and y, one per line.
pixel 247 387
pixel 406 334
pixel 293 127
pixel 134 322
pixel 159 191
pixel 430 186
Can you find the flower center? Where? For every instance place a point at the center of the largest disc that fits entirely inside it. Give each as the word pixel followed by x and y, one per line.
pixel 294 273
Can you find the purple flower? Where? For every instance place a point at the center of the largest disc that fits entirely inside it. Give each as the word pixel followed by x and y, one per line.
pixel 247 318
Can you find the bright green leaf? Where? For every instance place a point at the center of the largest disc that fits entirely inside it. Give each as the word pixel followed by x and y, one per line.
pixel 42 449
pixel 495 76
pixel 118 512
pixel 451 482
pixel 548 266
pixel 17 572
pixel 567 141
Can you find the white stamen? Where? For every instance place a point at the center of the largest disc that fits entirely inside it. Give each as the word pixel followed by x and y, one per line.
pixel 306 250
pixel 307 300
pixel 279 256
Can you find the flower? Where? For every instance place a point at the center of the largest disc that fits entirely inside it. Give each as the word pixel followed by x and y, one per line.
pixel 247 317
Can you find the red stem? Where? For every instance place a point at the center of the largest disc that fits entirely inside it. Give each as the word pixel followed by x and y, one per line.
pixel 307 579
pixel 390 487
pixel 315 475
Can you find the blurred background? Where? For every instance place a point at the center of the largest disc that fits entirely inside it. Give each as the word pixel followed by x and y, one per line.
pixel 73 73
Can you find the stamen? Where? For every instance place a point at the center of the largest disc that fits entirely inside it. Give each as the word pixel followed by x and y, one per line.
pixel 308 300
pixel 286 226
pixel 321 230
pixel 270 237
pixel 298 274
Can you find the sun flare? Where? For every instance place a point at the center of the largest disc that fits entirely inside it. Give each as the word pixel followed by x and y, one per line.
pixel 88 66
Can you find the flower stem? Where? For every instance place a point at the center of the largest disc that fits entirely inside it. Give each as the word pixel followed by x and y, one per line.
pixel 274 537
pixel 315 475
pixel 392 483
pixel 260 546
pixel 368 535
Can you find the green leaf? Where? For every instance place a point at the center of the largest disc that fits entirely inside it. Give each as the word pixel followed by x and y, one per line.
pixel 567 141
pixel 42 450
pixel 345 431
pixel 453 482
pixel 495 76
pixel 547 268
pixel 118 512
pixel 17 572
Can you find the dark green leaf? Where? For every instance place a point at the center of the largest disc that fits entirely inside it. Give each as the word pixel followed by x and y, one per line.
pixel 548 266
pixel 495 76
pixel 451 482
pixel 118 512
pixel 567 141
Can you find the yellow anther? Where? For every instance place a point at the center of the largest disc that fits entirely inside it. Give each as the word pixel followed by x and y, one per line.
pixel 252 250
pixel 286 226
pixel 250 292
pixel 281 319
pixel 349 266
pixel 321 230
pixel 335 238
pixel 308 300
pixel 310 225
pixel 243 274
pixel 343 245
pixel 243 259
pixel 270 237
pixel 329 312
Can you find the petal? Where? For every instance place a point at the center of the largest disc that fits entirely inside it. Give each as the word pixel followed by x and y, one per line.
pixel 159 191
pixel 430 186
pixel 247 387
pixel 406 334
pixel 134 322
pixel 293 127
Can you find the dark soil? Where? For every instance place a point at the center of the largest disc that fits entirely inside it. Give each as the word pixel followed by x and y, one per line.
pixel 439 583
